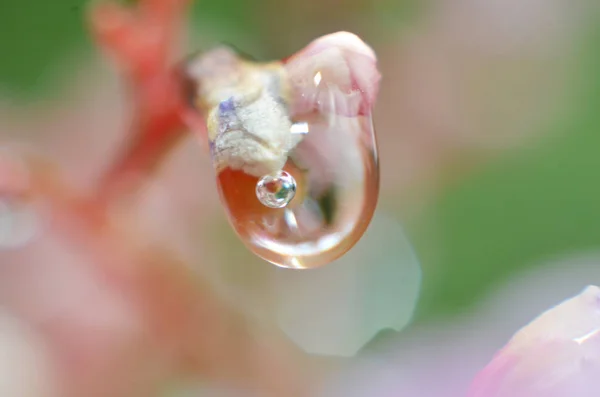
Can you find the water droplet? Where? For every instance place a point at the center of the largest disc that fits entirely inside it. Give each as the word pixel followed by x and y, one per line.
pixel 276 191
pixel 297 168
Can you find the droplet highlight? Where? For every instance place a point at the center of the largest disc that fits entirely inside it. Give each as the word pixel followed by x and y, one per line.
pixel 294 148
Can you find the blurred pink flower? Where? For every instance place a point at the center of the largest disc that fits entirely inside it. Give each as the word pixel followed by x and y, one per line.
pixel 471 80
pixel 557 355
pixel 342 60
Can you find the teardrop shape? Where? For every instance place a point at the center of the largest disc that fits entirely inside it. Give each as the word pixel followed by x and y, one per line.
pixel 294 147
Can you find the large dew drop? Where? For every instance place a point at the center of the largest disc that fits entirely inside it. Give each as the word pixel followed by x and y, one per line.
pixel 293 147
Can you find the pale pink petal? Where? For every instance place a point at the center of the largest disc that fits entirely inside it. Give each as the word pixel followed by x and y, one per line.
pixel 557 355
pixel 335 73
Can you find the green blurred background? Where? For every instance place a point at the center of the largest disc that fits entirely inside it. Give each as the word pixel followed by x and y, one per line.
pixel 485 224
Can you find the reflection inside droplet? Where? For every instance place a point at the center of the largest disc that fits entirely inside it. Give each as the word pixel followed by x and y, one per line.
pixel 276 191
pixel 300 128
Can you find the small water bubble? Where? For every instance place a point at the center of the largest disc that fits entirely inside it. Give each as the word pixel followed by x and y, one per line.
pixel 276 191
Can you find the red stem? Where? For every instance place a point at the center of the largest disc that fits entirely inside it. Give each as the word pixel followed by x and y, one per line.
pixel 143 41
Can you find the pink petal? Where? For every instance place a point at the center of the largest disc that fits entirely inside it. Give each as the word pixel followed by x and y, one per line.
pixel 557 355
pixel 335 73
